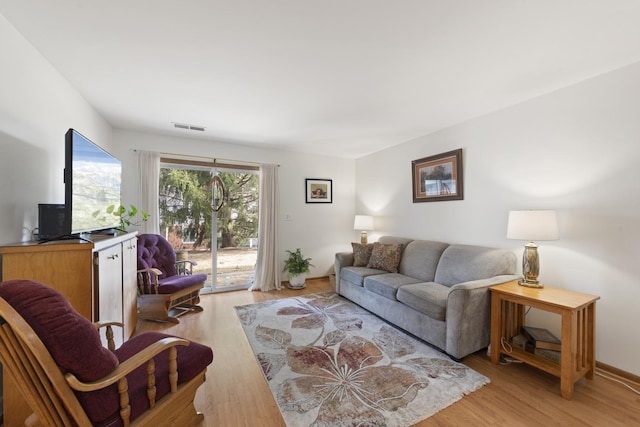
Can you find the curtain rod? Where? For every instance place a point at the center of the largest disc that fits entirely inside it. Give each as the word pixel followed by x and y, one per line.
pixel 213 159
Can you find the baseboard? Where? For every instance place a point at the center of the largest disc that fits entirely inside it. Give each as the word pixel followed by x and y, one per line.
pixel 612 370
pixel 284 283
pixel 318 278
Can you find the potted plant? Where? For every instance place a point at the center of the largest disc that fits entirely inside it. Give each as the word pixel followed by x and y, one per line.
pixel 126 217
pixel 297 266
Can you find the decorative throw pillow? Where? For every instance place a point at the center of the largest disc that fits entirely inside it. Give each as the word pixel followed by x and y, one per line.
pixel 385 256
pixel 361 254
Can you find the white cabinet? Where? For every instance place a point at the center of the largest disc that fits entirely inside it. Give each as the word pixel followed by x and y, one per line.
pixel 115 285
pixel 130 285
pixel 108 288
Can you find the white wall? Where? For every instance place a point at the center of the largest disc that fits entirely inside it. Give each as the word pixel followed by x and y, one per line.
pixel 37 106
pixel 319 230
pixel 575 150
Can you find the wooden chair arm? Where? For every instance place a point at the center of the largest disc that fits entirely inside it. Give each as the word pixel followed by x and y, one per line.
pixel 148 280
pixel 107 323
pixel 184 261
pixel 111 344
pixel 185 266
pixel 144 356
pixel 154 271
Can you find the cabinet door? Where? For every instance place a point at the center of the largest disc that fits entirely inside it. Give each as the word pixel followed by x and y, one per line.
pixel 129 286
pixel 64 267
pixel 109 288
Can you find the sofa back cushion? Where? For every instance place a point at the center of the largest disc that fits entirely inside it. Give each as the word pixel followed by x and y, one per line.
pixel 393 239
pixel 463 263
pixel 420 259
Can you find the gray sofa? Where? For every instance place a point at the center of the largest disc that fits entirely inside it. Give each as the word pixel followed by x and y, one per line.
pixel 439 294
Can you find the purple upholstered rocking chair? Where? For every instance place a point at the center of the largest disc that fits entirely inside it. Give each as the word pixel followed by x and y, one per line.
pixel 167 288
pixel 67 377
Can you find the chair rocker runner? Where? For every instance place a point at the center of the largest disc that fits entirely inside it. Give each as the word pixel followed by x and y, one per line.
pixel 167 288
pixel 56 359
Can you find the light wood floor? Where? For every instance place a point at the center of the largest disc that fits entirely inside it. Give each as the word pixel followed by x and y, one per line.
pixel 236 394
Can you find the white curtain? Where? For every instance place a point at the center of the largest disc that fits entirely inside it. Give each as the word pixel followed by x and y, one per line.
pixel 267 265
pixel 148 192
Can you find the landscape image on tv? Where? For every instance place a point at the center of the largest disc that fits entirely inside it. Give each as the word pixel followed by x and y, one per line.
pixel 96 178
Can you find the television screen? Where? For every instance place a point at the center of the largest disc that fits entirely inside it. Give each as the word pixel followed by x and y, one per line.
pixel 92 184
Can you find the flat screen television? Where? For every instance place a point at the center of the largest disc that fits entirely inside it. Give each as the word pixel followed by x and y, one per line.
pixel 92 179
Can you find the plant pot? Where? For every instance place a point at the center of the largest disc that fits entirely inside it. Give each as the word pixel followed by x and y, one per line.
pixel 297 281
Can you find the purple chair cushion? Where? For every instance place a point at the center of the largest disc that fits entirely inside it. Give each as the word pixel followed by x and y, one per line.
pixel 173 284
pixel 72 340
pixel 102 405
pixel 154 251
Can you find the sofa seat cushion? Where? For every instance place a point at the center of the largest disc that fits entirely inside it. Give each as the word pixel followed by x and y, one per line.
pixel 356 275
pixel 428 298
pixel 387 285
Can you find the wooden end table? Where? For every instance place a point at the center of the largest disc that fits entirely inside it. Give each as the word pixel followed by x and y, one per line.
pixel 577 310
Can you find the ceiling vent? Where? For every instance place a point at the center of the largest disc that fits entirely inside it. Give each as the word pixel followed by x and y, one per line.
pixel 188 127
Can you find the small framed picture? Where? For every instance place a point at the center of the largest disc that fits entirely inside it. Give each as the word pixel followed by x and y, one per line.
pixel 318 190
pixel 438 178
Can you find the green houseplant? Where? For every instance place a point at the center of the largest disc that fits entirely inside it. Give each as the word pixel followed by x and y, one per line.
pixel 297 266
pixel 126 217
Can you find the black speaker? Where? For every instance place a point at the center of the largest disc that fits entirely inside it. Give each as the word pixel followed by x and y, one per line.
pixel 51 221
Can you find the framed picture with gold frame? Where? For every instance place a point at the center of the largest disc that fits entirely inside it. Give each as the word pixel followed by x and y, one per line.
pixel 438 178
pixel 319 190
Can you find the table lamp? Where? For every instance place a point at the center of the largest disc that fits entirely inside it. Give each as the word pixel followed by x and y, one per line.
pixel 532 225
pixel 363 223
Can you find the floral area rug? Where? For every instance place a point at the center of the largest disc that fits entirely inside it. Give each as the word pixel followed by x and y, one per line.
pixel 329 362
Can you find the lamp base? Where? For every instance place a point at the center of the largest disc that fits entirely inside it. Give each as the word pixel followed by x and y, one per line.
pixel 530 266
pixel 363 238
pixel 530 283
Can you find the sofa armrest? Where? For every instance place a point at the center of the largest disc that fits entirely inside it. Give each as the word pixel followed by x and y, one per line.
pixel 469 315
pixel 343 259
pixel 485 283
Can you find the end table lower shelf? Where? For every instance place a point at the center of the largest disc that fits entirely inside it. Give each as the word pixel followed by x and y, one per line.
pixel 577 310
pixel 534 360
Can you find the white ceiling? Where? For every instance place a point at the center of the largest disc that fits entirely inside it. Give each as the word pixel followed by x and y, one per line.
pixel 340 77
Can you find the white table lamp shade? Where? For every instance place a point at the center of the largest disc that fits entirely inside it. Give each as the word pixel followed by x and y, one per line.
pixel 363 223
pixel 532 225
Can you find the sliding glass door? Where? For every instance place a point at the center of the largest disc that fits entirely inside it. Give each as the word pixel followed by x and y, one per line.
pixel 210 216
pixel 235 225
